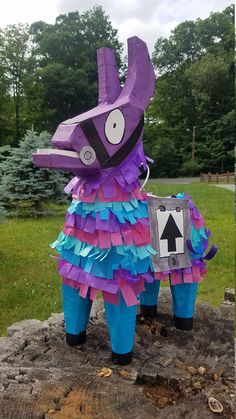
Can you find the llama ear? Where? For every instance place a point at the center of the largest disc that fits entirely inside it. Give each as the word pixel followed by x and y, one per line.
pixel 140 82
pixel 108 77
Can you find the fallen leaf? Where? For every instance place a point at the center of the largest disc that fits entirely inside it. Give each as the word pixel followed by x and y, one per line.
pixel 51 411
pixel 215 405
pixel 197 385
pixel 157 344
pixel 201 370
pixel 124 373
pixel 104 372
pixel 216 376
pixel 192 370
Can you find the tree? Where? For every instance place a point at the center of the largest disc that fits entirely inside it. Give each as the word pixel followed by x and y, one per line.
pixel 49 72
pixel 15 62
pixel 191 40
pixel 196 89
pixel 24 188
pixel 66 54
pixel 6 111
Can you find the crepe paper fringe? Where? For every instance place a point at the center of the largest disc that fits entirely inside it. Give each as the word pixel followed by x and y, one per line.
pixel 101 254
pixel 77 274
pixel 199 241
pixel 119 195
pixel 211 253
pixel 89 224
pixel 106 224
pixel 195 217
pixel 124 211
pixel 183 276
pixel 116 184
pixel 104 263
pixel 105 244
pixel 128 235
pixel 129 292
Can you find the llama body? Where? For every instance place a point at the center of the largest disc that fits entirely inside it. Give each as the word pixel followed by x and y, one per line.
pixel 105 245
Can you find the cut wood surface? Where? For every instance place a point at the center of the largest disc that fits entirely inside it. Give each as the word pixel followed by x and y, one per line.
pixel 173 374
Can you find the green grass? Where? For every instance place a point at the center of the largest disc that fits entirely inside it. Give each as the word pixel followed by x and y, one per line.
pixel 30 284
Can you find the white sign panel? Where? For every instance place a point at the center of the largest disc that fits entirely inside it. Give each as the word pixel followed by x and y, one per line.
pixel 170 232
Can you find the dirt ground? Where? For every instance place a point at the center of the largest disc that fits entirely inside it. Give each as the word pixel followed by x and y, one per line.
pixel 173 374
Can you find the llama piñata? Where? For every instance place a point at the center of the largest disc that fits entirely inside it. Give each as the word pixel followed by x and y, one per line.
pixel 105 245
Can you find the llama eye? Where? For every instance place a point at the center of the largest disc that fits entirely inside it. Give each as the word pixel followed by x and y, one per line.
pixel 115 126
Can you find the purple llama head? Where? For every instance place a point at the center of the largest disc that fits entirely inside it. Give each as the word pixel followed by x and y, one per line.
pixel 105 136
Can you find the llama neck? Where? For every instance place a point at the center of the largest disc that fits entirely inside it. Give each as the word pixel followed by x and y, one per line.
pixel 121 180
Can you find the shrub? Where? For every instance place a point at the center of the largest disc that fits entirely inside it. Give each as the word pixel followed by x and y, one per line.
pixel 24 189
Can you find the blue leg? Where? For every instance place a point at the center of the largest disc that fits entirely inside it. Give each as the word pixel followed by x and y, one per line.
pixel 121 321
pixel 148 299
pixel 184 297
pixel 76 315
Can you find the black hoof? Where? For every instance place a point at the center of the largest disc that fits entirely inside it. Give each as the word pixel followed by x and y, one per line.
pixel 183 324
pixel 74 340
pixel 121 359
pixel 148 311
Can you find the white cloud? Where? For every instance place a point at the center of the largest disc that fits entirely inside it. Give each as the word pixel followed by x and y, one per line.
pixel 150 33
pixel 27 11
pixel 148 19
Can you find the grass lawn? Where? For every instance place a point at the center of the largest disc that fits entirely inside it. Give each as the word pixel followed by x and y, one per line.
pixel 30 285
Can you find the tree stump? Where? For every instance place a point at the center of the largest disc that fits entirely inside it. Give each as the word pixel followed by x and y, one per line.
pixel 172 375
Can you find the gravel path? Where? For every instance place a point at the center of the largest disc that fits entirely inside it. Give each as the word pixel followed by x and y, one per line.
pixel 185 181
pixel 179 180
pixel 230 187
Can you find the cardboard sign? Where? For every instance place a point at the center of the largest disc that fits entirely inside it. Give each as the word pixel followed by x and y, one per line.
pixel 170 230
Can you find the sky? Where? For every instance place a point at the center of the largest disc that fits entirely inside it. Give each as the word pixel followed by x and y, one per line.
pixel 148 19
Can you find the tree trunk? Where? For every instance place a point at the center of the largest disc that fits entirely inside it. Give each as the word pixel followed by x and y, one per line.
pixel 172 375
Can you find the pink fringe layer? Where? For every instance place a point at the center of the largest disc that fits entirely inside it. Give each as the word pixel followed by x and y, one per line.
pixel 128 291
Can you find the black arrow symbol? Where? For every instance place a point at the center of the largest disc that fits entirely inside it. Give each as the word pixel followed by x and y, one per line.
pixel 171 233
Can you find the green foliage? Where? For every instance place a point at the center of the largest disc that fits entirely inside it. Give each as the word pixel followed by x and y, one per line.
pixel 195 89
pixel 190 168
pixel 25 189
pixel 67 74
pixel 15 63
pixel 49 72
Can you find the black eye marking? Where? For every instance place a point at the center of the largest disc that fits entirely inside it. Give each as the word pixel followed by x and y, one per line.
pixel 128 146
pixel 94 140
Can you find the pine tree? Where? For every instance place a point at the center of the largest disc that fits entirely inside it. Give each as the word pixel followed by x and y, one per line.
pixel 24 188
